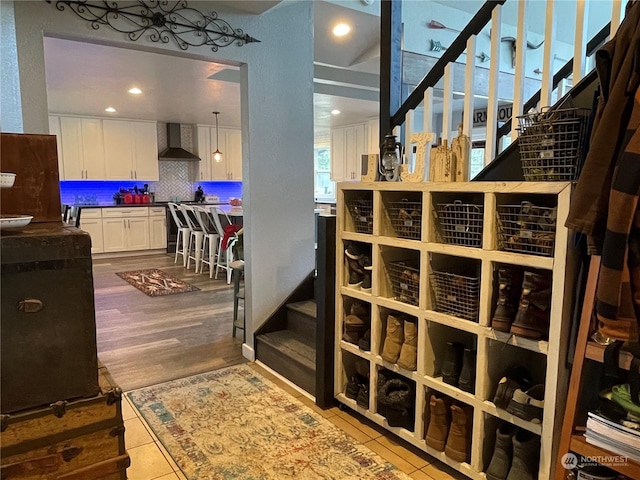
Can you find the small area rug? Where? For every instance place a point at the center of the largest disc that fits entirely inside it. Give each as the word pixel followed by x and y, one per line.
pixel 235 424
pixel 155 282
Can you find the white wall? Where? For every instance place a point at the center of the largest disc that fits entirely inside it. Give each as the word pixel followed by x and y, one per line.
pixel 277 133
pixel 10 105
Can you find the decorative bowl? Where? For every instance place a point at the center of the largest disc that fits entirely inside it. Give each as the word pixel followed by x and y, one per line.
pixel 7 179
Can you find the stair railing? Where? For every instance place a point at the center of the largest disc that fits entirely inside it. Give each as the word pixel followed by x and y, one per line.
pixel 393 114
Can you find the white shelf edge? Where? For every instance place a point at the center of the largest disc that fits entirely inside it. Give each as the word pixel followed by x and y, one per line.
pixel 491 409
pixel 354 349
pixel 399 306
pixel 454 322
pixel 436 383
pixel 357 237
pixel 410 374
pixel 522 259
pixel 537 346
pixel 355 293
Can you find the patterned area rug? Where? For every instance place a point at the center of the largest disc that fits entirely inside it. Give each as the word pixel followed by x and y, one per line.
pixel 235 424
pixel 155 282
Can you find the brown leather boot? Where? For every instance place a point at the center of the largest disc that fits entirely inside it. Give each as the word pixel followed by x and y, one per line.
pixel 438 423
pixel 409 350
pixel 393 340
pixel 459 439
pixel 354 328
pixel 532 319
pixel 508 281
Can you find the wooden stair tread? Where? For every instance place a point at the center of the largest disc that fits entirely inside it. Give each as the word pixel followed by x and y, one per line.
pixel 580 446
pixel 292 345
pixel 308 307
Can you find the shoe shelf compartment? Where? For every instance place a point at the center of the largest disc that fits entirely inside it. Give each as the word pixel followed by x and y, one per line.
pixel 403 284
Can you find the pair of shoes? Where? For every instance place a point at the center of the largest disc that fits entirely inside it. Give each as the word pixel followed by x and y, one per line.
pixel 360 267
pixel 358 387
pixel 356 323
pixel 401 342
pixel 459 367
pixel 531 320
pixel 519 396
pixel 449 428
pixel 516 455
pixel 365 342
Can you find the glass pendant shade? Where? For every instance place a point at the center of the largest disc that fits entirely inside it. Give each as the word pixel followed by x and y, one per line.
pixel 217 155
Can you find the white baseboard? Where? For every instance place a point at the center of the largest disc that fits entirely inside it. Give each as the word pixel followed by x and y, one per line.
pixel 286 380
pixel 136 253
pixel 248 352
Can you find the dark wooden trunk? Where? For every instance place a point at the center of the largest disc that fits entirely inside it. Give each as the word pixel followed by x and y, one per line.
pixel 78 440
pixel 48 342
pixel 36 191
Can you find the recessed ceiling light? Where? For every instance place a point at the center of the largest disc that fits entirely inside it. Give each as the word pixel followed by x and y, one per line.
pixel 135 91
pixel 110 109
pixel 335 112
pixel 341 29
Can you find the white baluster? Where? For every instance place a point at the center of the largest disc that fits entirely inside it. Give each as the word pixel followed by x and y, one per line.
pixel 546 89
pixel 579 43
pixel 469 88
pixel 518 77
pixel 447 102
pixel 494 72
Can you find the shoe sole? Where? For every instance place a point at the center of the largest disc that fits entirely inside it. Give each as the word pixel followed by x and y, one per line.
pixel 526 332
pixel 355 286
pixel 455 455
pixel 435 444
pixel 501 324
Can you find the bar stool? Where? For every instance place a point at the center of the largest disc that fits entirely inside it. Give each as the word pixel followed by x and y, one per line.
pixel 225 255
pixel 196 236
pixel 238 294
pixel 210 240
pixel 183 232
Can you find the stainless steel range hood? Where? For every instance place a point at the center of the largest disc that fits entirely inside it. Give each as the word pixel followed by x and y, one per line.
pixel 175 152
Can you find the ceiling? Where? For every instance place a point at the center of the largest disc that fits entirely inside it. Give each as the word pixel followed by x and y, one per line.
pixel 177 89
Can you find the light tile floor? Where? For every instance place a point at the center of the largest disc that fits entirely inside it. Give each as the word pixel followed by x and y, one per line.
pixel 150 461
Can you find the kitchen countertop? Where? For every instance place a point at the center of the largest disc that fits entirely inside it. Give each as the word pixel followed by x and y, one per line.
pixel 156 204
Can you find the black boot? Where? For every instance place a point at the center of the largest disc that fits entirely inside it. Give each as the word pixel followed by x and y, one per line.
pixel 508 282
pixel 467 381
pixel 452 365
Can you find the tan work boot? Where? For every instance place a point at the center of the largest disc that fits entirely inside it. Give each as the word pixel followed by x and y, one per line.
pixel 409 350
pixel 438 423
pixel 459 440
pixel 393 340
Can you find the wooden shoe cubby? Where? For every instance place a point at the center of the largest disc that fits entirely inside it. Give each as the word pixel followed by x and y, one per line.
pixel 474 253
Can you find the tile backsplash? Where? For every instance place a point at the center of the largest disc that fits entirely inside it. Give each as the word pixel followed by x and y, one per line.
pixel 175 180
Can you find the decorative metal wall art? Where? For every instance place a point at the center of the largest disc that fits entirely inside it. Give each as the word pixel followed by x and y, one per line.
pixel 164 20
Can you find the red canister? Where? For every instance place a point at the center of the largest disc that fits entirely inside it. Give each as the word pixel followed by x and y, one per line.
pixel 146 198
pixel 137 198
pixel 128 198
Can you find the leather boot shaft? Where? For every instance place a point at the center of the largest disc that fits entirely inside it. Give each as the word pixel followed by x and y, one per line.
pixel 532 318
pixel 409 351
pixel 508 282
pixel 467 381
pixel 459 439
pixel 438 423
pixel 393 340
pixel 526 456
pixel 502 453
pixel 452 365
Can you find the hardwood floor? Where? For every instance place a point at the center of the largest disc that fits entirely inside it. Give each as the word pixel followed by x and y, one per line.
pixel 148 340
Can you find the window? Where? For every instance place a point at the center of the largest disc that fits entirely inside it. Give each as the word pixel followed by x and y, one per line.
pixel 325 189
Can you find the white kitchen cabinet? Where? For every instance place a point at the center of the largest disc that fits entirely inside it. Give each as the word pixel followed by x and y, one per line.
pixel 145 149
pixel 125 229
pixel 348 144
pixel 157 227
pixel 82 148
pixel 130 150
pixel 91 222
pixel 54 129
pixel 229 142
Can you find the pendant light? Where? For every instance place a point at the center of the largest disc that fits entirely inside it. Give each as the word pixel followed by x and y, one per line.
pixel 217 155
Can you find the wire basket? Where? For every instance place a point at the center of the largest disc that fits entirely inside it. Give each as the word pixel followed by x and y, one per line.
pixel 553 144
pixel 527 228
pixel 460 223
pixel 405 281
pixel 456 295
pixel 406 218
pixel 362 214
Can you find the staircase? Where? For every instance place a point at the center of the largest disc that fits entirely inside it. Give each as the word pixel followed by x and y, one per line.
pixel 292 351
